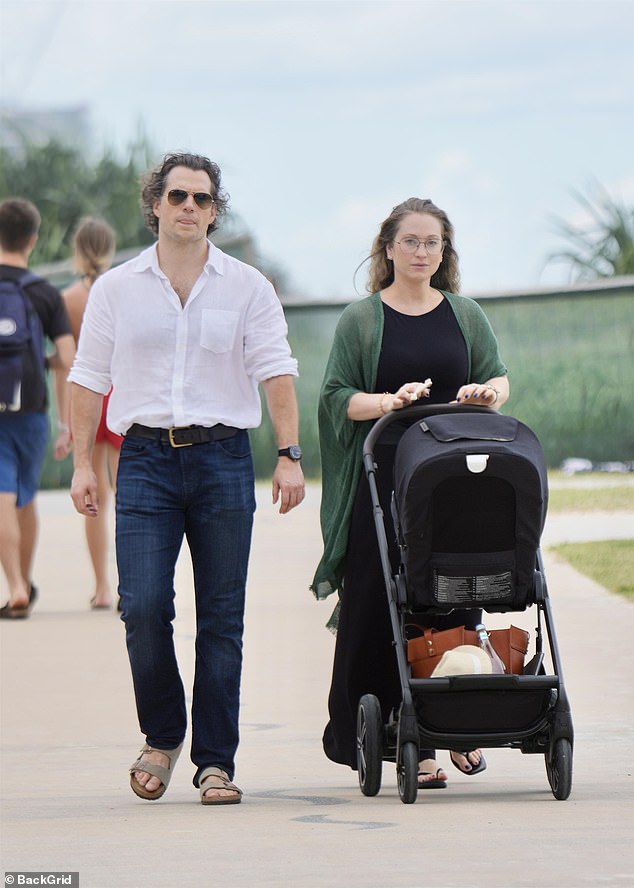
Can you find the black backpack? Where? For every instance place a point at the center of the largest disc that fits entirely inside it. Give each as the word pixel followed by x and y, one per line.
pixel 22 368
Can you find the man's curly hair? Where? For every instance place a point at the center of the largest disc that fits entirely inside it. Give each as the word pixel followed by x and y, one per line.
pixel 153 186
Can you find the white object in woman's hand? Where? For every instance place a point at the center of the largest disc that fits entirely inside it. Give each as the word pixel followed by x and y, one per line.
pixel 422 389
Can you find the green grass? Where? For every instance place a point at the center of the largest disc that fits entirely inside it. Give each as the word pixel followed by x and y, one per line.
pixel 571 372
pixel 570 369
pixel 610 563
pixel 591 499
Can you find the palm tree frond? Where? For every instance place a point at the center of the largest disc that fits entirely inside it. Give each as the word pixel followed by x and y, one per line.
pixel 606 247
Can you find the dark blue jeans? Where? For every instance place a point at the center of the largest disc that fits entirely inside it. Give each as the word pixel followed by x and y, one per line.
pixel 206 493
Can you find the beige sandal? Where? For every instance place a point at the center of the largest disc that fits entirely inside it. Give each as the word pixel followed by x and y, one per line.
pixel 163 773
pixel 224 783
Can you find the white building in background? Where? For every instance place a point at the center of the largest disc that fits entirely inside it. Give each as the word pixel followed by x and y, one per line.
pixel 67 125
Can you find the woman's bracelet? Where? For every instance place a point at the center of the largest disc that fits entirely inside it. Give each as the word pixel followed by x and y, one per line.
pixel 493 389
pixel 382 409
pixel 62 427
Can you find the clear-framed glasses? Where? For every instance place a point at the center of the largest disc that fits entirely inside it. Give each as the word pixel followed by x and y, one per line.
pixel 433 245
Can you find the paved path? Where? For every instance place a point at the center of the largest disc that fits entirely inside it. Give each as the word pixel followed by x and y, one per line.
pixel 69 733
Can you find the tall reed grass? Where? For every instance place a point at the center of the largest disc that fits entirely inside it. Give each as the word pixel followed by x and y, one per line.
pixel 571 369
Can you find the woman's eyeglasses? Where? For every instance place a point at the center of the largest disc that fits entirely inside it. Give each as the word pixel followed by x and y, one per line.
pixel 177 196
pixel 433 245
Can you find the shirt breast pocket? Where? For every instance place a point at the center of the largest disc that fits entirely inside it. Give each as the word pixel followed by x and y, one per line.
pixel 218 330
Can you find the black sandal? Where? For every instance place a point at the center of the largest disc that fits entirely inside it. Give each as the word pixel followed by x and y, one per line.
pixel 7 612
pixel 435 783
pixel 475 769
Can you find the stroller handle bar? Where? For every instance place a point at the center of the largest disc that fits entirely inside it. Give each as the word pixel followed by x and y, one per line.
pixel 409 414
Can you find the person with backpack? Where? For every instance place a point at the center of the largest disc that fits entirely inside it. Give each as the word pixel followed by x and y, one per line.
pixel 31 311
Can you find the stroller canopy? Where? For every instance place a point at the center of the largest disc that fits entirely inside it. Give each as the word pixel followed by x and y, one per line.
pixel 469 503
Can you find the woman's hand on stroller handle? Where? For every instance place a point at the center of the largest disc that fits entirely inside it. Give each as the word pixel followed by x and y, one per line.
pixel 492 393
pixel 407 394
pixel 370 405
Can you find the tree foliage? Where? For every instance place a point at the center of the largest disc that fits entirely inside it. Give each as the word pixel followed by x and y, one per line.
pixel 605 246
pixel 65 186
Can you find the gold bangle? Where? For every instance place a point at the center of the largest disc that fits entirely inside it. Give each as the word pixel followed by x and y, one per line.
pixel 493 388
pixel 381 408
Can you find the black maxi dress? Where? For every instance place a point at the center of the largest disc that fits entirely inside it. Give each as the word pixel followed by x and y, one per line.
pixel 413 348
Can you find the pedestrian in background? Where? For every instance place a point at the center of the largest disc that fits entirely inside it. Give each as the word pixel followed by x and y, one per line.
pixel 24 424
pixel 93 251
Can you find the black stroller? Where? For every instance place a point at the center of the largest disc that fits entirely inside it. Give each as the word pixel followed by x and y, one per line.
pixel 469 505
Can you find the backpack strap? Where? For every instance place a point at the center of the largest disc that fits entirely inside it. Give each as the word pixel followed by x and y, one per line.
pixel 25 279
pixel 28 277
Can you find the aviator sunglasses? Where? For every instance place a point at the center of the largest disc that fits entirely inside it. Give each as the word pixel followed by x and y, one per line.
pixel 177 196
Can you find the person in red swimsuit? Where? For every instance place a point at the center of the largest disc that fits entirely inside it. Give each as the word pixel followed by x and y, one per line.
pixel 93 250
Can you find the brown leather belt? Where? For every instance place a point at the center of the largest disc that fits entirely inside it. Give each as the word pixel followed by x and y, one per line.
pixel 183 436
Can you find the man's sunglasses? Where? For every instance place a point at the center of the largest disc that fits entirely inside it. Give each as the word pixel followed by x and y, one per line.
pixel 178 196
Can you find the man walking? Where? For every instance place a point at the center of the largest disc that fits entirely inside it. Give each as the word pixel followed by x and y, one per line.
pixel 185 334
pixel 30 302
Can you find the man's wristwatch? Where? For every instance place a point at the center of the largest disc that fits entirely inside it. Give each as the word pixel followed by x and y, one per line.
pixel 293 452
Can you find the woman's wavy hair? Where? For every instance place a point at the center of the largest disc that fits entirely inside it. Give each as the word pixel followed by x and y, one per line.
pixel 93 247
pixel 381 273
pixel 153 186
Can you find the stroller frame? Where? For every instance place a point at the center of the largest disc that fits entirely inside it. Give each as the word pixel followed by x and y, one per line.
pixel 454 712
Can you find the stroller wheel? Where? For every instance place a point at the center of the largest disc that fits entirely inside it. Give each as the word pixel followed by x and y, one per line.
pixel 407 773
pixel 559 768
pixel 369 744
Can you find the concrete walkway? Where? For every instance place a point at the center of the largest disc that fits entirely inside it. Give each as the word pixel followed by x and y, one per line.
pixel 69 733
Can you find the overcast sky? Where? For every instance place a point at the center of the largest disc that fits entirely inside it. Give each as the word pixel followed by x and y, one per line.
pixel 324 115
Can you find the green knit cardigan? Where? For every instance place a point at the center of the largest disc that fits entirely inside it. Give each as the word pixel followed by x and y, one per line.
pixel 352 367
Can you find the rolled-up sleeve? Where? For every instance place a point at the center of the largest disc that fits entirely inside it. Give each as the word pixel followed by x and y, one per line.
pixel 266 349
pixel 92 365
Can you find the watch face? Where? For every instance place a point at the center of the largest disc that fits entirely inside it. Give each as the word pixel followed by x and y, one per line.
pixel 293 451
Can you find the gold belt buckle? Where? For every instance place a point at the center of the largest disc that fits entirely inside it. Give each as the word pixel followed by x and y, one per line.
pixel 173 443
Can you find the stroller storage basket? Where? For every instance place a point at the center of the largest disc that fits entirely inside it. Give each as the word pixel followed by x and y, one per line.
pixel 470 705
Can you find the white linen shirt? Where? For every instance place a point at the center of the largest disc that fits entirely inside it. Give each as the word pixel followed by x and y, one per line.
pixel 175 365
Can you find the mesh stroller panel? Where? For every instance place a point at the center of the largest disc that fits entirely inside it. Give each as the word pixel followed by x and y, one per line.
pixel 473 540
pixel 473 514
